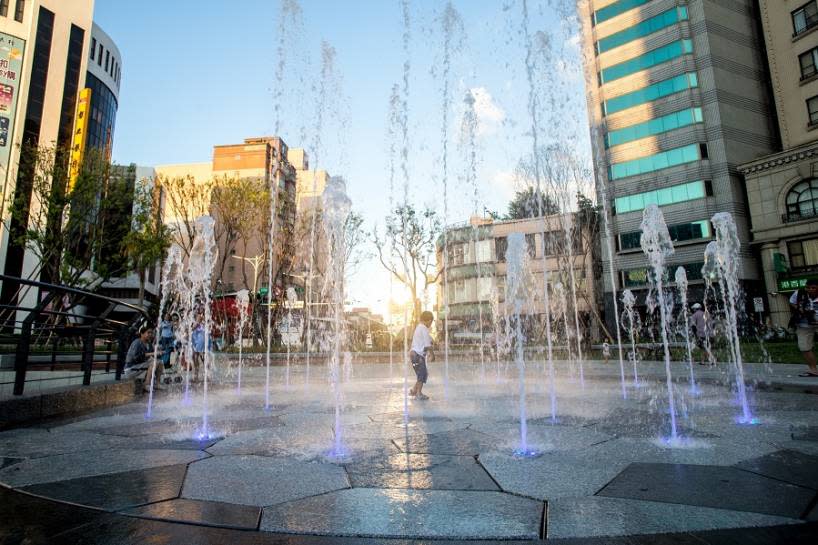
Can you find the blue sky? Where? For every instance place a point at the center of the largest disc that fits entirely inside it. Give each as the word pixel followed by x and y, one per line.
pixel 202 73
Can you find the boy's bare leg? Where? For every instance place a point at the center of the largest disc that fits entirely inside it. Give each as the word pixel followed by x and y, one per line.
pixel 418 388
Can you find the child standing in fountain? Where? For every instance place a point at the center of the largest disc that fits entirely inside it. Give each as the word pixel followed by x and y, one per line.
pixel 421 350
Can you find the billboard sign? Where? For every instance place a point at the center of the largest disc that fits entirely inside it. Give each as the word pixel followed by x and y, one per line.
pixel 79 138
pixel 12 49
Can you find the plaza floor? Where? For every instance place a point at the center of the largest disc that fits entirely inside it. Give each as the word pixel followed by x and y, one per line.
pixel 605 466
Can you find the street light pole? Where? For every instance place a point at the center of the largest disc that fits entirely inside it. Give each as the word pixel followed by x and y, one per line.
pixel 256 262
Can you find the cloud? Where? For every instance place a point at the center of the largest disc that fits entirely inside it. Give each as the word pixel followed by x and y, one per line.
pixel 505 183
pixel 489 114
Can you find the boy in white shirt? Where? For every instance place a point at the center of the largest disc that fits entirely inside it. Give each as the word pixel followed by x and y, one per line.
pixel 421 348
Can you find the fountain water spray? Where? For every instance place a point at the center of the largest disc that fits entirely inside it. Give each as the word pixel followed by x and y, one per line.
pixel 450 22
pixel 292 299
pixel 658 247
pixel 516 296
pixel 170 271
pixel 726 251
pixel 629 300
pixel 469 137
pixel 533 111
pixel 336 206
pixel 203 256
pixel 681 284
pixel 403 125
pixel 243 307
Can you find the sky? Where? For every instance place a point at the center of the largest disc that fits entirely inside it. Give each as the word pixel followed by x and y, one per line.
pixel 201 73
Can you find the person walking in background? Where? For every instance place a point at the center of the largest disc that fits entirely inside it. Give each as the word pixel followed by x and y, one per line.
pixel 421 350
pixel 804 305
pixel 703 332
pixel 606 351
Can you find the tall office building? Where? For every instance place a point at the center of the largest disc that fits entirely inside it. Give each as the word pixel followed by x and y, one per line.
pixel 43 57
pixel 782 188
pixel 263 159
pixel 103 78
pixel 677 99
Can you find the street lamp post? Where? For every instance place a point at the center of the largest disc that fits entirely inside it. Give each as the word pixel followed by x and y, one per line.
pixel 256 262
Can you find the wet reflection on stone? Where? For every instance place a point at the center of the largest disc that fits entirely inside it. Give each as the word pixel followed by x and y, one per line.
pixel 420 471
pixel 458 442
pixel 202 512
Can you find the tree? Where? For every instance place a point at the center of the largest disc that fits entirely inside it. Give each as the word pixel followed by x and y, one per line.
pixel 185 200
pixel 409 238
pixel 530 203
pixel 149 238
pixel 62 219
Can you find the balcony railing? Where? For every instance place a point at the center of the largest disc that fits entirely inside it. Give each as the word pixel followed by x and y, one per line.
pixel 790 218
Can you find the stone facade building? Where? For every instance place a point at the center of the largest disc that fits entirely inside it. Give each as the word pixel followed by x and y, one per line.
pixel 782 188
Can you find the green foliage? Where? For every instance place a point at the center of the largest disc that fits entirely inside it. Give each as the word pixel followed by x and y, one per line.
pixel 66 223
pixel 530 203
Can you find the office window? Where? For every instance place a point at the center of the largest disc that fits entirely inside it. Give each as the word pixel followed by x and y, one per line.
pixel 93 47
pixel 4 8
pixel 802 200
pixel 812 110
pixel 500 247
pixel 612 10
pixel 808 62
pixel 678 233
pixel 635 278
pixel 658 161
pixel 107 59
pixel 19 9
pixel 652 127
pixel 662 197
pixel 99 55
pixel 650 93
pixel 642 62
pixel 803 254
pixel 804 18
pixel 640 30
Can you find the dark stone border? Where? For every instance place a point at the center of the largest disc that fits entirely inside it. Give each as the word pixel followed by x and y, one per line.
pixel 34 521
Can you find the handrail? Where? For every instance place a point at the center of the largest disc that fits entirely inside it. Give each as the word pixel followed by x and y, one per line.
pixel 77 291
pixel 88 332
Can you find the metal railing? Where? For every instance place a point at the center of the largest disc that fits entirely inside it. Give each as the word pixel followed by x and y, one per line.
pixel 56 319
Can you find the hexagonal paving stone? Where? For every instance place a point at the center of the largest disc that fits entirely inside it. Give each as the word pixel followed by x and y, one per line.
pixel 599 516
pixel 116 490
pixel 259 480
pixel 87 464
pixel 710 486
pixel 566 474
pixel 459 442
pixel 420 471
pixel 34 443
pixel 410 514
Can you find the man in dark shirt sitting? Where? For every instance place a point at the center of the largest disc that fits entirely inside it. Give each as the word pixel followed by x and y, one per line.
pixel 137 364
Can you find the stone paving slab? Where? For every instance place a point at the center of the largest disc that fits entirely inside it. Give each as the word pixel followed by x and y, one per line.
pixel 420 471
pixel 9 461
pixel 710 486
pixel 259 480
pixel 88 464
pixel 117 490
pixel 275 442
pixel 226 515
pixel 458 442
pixel 396 430
pixel 599 516
pixel 805 447
pixel 35 443
pixel 544 438
pixel 564 474
pixel 785 465
pixel 409 513
pixel 807 433
pixel 716 451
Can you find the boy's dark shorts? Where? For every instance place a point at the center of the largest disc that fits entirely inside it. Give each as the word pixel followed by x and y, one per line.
pixel 419 365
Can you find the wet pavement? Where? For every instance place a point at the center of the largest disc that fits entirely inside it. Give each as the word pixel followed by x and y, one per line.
pixel 605 467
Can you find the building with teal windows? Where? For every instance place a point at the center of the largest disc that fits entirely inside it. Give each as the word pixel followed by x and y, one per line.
pixel 678 97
